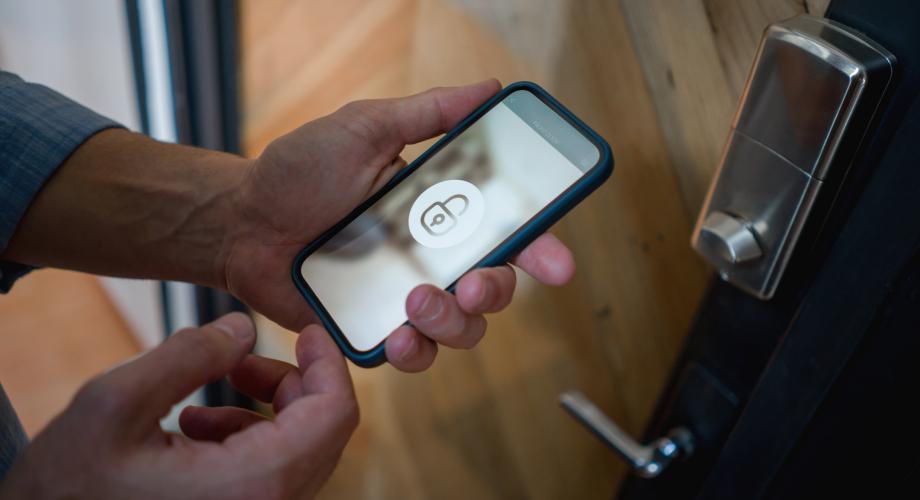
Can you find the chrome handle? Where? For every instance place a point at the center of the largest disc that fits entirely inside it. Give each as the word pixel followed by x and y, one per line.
pixel 645 460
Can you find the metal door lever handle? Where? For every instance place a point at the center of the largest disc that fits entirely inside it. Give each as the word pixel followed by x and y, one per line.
pixel 645 460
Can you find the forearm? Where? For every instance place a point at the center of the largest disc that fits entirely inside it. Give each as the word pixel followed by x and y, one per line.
pixel 126 205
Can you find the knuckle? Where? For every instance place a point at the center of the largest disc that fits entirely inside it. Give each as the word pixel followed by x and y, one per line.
pixel 354 107
pixel 347 413
pixel 366 122
pixel 434 90
pixel 102 396
pixel 360 110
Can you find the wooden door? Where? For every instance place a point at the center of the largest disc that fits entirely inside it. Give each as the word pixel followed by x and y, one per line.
pixel 659 79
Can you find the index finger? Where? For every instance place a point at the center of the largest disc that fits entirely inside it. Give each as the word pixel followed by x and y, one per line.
pixel 321 364
pixel 142 391
pixel 316 424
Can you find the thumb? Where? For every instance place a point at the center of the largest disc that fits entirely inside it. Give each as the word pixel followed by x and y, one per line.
pixel 142 391
pixel 391 124
pixel 420 116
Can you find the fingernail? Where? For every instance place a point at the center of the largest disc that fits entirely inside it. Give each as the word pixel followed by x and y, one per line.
pixel 485 290
pixel 431 307
pixel 409 351
pixel 237 325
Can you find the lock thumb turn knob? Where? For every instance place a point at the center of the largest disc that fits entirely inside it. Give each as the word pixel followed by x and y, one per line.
pixel 729 238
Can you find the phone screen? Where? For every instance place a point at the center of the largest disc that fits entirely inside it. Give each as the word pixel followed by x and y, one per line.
pixel 441 220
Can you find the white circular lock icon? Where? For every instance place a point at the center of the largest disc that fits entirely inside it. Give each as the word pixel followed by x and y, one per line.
pixel 446 214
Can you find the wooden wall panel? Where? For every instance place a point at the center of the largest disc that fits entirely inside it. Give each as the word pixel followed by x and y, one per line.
pixel 305 59
pixel 696 55
pixel 677 49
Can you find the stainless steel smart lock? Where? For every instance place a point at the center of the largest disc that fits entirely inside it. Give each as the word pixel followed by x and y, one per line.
pixel 810 97
pixel 809 100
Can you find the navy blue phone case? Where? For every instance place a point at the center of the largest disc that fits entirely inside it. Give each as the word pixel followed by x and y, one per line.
pixel 501 254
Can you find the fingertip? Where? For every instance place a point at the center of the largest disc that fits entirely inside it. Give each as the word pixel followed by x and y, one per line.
pixel 491 83
pixel 215 423
pixel 548 260
pixel 409 351
pixel 321 364
pixel 402 346
pixel 313 329
pixel 478 92
pixel 190 420
pixel 560 268
pixel 419 301
pixel 472 290
pixel 259 377
pixel 187 414
pixel 237 325
pixel 486 290
pixel 416 298
pixel 314 342
pixel 289 390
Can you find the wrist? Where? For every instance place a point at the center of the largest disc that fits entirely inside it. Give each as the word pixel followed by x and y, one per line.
pixel 179 211
pixel 125 205
pixel 216 227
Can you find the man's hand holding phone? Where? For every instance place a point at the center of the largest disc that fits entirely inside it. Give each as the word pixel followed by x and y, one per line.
pixel 309 179
pixel 172 212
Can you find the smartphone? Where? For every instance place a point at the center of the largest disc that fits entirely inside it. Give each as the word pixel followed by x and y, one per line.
pixel 476 198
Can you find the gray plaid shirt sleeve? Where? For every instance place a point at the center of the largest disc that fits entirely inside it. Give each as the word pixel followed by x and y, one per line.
pixel 12 438
pixel 39 129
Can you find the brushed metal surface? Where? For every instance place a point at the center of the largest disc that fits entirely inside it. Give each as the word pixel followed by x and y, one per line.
pixel 813 90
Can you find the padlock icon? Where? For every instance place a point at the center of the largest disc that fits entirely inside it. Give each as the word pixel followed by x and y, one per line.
pixel 441 216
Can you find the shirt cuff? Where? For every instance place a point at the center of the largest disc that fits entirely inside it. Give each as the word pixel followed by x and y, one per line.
pixel 10 272
pixel 39 130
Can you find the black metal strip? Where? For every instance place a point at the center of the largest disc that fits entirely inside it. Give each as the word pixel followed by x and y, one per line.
pixel 137 63
pixel 178 64
pixel 202 40
pixel 228 51
pixel 169 323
